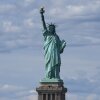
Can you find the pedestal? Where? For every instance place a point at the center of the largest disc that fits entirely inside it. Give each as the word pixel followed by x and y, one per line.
pixel 51 91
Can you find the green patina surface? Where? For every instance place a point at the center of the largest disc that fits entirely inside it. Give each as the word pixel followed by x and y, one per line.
pixel 53 80
pixel 53 47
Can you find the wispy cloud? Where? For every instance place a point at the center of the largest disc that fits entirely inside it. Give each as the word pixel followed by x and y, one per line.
pixel 28 2
pixel 8 26
pixel 16 93
pixel 4 8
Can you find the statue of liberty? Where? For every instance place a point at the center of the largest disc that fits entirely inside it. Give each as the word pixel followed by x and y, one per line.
pixel 53 47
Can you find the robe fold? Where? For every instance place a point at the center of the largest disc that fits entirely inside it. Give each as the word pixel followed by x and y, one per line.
pixel 52 50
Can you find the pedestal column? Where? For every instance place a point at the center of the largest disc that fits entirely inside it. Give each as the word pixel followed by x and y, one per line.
pixel 51 91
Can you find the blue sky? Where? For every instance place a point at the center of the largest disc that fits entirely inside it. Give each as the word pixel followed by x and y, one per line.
pixel 21 47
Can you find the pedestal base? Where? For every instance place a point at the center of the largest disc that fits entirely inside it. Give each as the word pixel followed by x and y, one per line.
pixel 51 91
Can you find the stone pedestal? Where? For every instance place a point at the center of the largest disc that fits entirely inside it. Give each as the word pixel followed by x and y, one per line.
pixel 51 91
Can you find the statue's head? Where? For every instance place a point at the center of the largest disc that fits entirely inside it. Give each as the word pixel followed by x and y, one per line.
pixel 51 28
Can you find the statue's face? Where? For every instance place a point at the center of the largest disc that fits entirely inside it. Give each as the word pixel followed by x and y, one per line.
pixel 52 29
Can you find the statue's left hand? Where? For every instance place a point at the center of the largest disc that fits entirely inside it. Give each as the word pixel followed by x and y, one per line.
pixel 63 43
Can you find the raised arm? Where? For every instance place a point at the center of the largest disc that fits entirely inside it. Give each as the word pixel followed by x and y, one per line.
pixel 42 17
